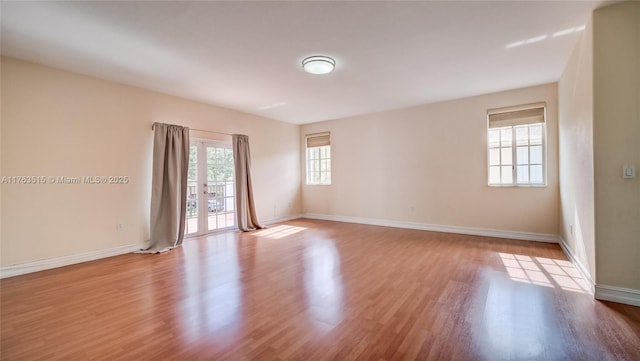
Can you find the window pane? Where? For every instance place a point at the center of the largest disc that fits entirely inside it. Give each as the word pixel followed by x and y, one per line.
pixel 523 174
pixel 507 156
pixel 323 165
pixel 522 135
pixel 523 155
pixel 536 154
pixel 494 156
pixel 507 175
pixel 191 221
pixel 494 138
pixel 193 162
pixel 536 174
pixel 324 178
pixel 506 136
pixel 211 172
pixel 535 134
pixel 494 175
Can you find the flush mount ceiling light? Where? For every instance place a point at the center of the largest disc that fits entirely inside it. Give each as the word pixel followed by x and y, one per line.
pixel 318 64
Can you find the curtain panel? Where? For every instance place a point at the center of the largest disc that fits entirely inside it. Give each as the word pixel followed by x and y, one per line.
pixel 168 187
pixel 245 207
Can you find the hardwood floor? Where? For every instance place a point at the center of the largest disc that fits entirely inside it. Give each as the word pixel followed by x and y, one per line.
pixel 316 290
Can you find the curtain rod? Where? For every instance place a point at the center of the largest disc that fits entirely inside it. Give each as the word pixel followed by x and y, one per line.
pixel 199 130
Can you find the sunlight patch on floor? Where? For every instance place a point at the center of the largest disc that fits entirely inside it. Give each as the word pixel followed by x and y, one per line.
pixel 543 271
pixel 278 232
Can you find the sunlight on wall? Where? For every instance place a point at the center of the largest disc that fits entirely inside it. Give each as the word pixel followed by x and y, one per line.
pixel 545 272
pixel 579 246
pixel 278 231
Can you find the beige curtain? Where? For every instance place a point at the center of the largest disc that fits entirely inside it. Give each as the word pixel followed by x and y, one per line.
pixel 245 208
pixel 168 187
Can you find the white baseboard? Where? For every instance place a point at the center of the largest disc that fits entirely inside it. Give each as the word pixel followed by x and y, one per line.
pixel 525 236
pixel 45 264
pixel 627 296
pixel 583 270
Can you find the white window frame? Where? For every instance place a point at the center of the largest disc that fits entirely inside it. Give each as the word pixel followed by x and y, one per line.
pixel 514 145
pixel 316 143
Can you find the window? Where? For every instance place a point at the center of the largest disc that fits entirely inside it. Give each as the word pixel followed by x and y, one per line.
pixel 516 146
pixel 318 159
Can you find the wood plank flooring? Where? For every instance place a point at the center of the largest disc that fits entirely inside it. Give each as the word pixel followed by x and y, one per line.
pixel 317 290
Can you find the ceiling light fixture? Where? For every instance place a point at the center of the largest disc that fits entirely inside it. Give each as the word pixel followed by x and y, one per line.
pixel 318 64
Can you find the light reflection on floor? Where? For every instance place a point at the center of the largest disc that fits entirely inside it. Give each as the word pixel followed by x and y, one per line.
pixel 323 284
pixel 516 323
pixel 214 287
pixel 278 232
pixel 543 271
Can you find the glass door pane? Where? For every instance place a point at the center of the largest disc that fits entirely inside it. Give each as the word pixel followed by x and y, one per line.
pixel 191 226
pixel 220 187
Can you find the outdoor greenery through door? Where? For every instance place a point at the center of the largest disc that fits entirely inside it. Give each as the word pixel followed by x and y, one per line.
pixel 210 188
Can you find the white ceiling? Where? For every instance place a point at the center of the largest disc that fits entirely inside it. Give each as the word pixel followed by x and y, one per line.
pixel 247 55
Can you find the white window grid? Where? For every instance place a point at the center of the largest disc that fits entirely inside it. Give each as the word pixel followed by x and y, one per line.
pixel 521 160
pixel 319 165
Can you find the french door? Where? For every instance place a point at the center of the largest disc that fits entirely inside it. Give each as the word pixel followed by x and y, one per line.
pixel 210 188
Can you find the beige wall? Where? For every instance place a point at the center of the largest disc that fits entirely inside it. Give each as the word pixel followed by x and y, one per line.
pixel 56 123
pixel 575 128
pixel 616 85
pixel 427 164
pixel 1 162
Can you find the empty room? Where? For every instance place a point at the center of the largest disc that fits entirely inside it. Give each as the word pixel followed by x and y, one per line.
pixel 320 180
